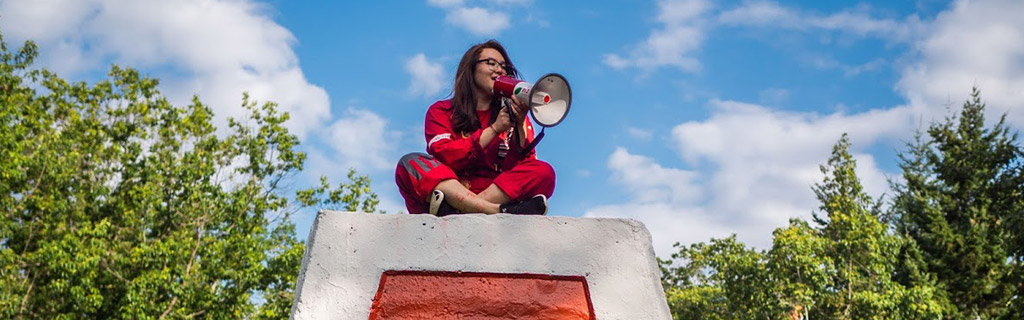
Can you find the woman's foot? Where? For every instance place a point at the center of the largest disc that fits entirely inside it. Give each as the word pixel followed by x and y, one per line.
pixel 438 206
pixel 538 205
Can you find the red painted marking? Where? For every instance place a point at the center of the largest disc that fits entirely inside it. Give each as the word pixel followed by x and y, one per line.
pixel 474 295
pixel 547 99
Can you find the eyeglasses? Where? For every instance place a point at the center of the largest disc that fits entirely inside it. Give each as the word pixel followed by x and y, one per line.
pixel 494 64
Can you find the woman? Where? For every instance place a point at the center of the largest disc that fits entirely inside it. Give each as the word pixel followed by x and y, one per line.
pixel 475 161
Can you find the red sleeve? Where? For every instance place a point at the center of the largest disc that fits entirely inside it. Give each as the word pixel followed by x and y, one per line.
pixel 452 149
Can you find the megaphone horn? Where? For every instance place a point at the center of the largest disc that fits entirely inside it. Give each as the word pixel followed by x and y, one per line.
pixel 549 99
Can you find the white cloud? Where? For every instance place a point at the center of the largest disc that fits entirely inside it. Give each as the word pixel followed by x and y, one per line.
pixel 857 21
pixel 512 2
pixel 427 77
pixel 216 49
pixel 682 32
pixel 826 63
pixel 640 134
pixel 757 168
pixel 361 139
pixel 478 21
pixel 489 18
pixel 773 96
pixel 974 43
pixel 761 13
pixel 649 181
pixel 684 24
pixel 669 224
pixel 445 3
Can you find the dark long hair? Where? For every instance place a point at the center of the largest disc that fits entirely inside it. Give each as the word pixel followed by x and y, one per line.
pixel 464 118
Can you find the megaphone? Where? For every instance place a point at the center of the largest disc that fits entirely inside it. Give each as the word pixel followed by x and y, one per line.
pixel 549 97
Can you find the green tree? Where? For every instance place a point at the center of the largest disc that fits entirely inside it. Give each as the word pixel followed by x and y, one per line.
pixel 117 204
pixel 801 272
pixel 861 250
pixel 845 267
pixel 960 189
pixel 722 279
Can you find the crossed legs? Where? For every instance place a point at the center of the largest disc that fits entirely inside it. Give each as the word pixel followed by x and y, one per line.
pixel 419 174
pixel 487 201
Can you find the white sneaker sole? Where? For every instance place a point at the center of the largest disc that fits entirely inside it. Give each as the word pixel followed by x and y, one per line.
pixel 436 199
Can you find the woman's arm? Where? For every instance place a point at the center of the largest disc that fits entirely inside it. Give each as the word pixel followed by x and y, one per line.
pixel 454 150
pixel 524 128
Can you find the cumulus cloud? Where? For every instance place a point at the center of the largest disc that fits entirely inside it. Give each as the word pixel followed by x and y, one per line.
pixel 649 181
pixel 427 77
pixel 753 167
pixel 361 140
pixel 974 43
pixel 681 33
pixel 757 167
pixel 216 49
pixel 479 21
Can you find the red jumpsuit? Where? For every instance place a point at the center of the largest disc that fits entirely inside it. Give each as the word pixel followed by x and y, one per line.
pixel 455 156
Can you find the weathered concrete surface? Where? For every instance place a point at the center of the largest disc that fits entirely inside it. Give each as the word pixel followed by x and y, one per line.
pixel 347 252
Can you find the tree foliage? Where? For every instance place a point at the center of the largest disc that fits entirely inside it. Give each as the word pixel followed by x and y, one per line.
pixel 843 266
pixel 950 245
pixel 117 204
pixel 960 204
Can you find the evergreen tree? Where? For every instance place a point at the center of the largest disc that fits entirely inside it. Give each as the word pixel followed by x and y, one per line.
pixel 845 267
pixel 117 204
pixel 960 190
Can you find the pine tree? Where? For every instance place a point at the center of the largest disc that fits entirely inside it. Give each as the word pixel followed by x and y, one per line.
pixel 959 191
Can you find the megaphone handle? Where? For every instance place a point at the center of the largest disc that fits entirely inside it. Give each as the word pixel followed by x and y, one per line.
pixel 507 104
pixel 533 143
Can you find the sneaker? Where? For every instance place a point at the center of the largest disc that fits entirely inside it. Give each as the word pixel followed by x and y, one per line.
pixel 438 206
pixel 538 205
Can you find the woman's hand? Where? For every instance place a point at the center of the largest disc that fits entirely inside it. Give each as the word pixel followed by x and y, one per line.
pixel 504 121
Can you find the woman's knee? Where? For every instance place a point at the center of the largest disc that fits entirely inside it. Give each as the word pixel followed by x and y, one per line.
pixel 544 170
pixel 409 158
pixel 544 175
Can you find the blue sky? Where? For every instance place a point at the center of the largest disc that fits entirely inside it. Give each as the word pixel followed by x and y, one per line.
pixel 698 118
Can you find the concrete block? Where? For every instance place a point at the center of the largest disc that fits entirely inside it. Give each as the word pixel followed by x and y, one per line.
pixel 347 253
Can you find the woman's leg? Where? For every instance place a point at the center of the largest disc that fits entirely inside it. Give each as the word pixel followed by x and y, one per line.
pixel 419 174
pixel 465 200
pixel 527 179
pixel 494 194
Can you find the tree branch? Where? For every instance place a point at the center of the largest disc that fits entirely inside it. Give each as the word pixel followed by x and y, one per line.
pixel 28 293
pixel 169 307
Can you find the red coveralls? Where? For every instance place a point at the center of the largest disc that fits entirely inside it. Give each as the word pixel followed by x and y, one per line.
pixel 455 156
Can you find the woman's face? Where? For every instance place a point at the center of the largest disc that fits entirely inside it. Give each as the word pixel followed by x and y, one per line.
pixel 488 67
